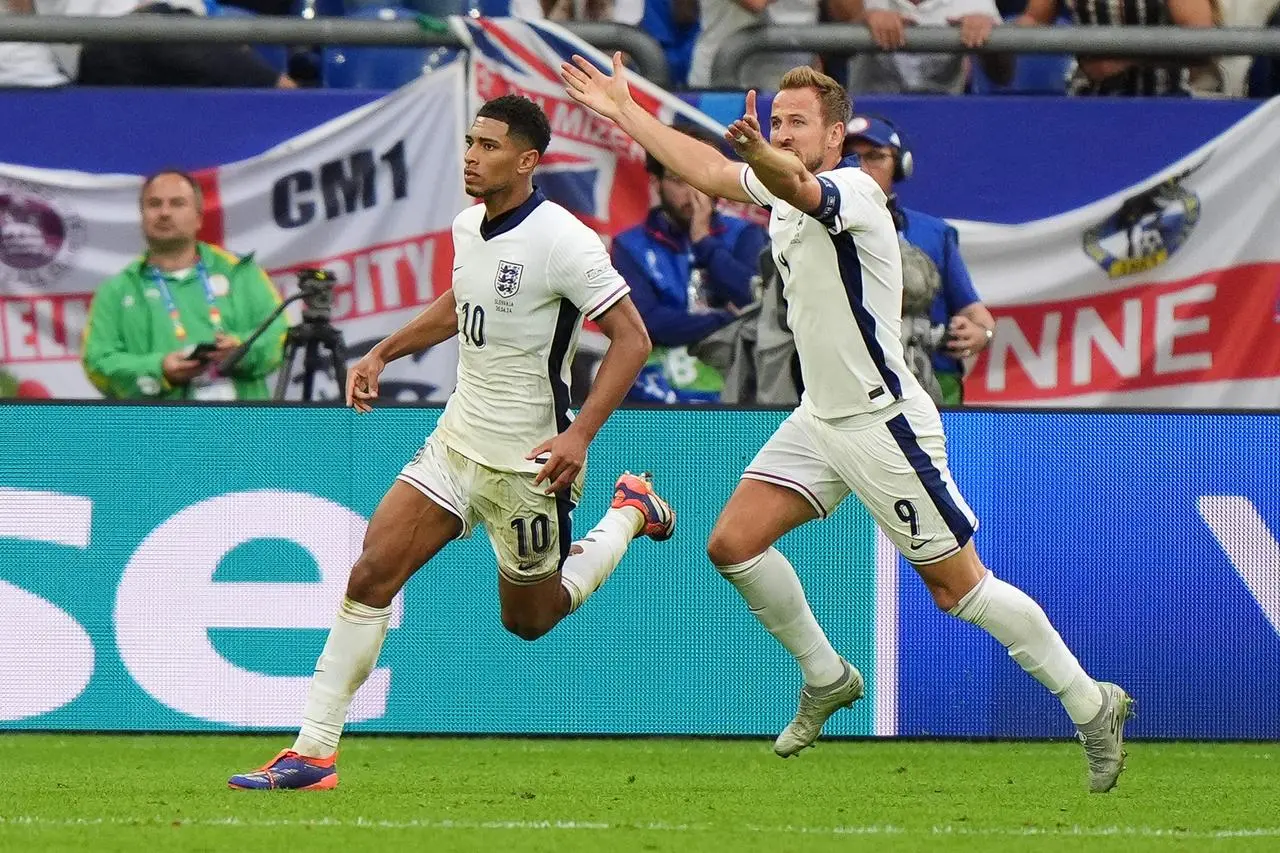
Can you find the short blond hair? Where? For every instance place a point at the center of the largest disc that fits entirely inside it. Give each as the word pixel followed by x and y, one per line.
pixel 833 97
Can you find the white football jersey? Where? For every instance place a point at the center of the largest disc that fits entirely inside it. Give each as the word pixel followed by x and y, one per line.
pixel 523 282
pixel 842 280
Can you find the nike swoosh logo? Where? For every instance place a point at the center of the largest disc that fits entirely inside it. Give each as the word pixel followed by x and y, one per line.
pixel 916 546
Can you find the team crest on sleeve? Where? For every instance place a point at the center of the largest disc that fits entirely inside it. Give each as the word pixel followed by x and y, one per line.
pixel 507 282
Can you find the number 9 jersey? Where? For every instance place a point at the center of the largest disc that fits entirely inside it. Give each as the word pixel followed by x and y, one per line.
pixel 523 281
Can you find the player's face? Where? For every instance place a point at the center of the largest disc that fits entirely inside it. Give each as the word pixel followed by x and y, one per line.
pixel 494 160
pixel 796 125
pixel 876 162
pixel 170 214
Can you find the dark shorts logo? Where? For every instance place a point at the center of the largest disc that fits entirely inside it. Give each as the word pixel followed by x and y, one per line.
pixel 1147 229
pixel 37 238
pixel 507 282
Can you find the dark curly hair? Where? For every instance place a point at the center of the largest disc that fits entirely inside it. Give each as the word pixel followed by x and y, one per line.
pixel 524 119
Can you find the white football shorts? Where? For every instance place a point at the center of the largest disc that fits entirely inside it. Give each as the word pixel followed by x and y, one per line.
pixel 530 531
pixel 894 460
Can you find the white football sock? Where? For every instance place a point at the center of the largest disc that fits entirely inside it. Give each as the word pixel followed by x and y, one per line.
pixel 601 551
pixel 1012 617
pixel 348 657
pixel 773 593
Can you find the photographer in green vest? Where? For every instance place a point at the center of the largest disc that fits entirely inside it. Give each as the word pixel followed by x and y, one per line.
pixel 162 328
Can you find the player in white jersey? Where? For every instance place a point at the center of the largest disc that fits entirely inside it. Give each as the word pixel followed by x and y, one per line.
pixel 506 451
pixel 864 425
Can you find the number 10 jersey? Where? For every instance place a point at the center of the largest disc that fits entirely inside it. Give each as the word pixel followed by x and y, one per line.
pixel 523 283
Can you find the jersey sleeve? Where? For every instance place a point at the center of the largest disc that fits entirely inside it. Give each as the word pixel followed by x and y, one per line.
pixel 580 271
pixel 756 190
pixel 850 199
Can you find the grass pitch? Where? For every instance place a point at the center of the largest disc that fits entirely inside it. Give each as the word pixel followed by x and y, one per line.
pixel 160 793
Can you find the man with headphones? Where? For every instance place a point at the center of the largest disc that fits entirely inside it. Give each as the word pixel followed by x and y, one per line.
pixel 944 320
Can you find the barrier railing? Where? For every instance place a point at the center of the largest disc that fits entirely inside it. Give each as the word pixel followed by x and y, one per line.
pixel 734 52
pixel 642 47
pixel 844 39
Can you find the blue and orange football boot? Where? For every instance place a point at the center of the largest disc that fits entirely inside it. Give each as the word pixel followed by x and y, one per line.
pixel 290 771
pixel 637 492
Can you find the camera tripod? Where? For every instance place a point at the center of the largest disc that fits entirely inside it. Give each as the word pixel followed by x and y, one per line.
pixel 310 336
pixel 315 289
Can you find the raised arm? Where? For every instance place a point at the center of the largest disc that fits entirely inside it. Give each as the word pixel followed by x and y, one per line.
pixel 609 96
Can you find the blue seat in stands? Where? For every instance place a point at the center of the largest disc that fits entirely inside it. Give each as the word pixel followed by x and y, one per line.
pixel 319 8
pixel 276 55
pixel 363 67
pixel 1034 74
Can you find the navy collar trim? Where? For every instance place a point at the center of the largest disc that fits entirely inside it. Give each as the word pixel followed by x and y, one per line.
pixel 504 222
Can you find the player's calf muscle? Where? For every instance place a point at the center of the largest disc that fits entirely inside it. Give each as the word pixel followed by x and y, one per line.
pixel 530 612
pixel 527 628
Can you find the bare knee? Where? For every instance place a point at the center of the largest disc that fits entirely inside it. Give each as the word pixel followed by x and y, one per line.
pixel 950 580
pixel 727 549
pixel 757 515
pixel 948 590
pixel 376 578
pixel 526 628
pixel 946 597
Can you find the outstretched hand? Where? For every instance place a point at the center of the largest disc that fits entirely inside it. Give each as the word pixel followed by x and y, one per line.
pixel 606 94
pixel 744 134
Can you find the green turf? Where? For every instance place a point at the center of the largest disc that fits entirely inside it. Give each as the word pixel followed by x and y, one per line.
pixel 90 793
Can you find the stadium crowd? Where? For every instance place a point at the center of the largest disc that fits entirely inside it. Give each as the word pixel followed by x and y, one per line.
pixel 690 32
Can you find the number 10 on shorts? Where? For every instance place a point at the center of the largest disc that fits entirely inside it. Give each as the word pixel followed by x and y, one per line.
pixel 532 533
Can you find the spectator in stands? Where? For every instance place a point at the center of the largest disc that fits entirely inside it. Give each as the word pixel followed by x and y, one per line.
pixel 944 319
pixel 206 64
pixel 1114 75
pixel 1235 70
pixel 722 18
pixel 675 24
pixel 606 11
pixel 163 328
pixel 939 73
pixel 690 269
pixel 23 64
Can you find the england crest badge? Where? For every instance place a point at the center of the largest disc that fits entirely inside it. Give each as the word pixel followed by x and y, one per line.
pixel 507 282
